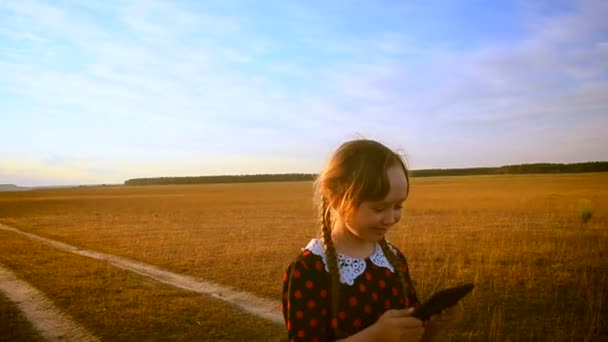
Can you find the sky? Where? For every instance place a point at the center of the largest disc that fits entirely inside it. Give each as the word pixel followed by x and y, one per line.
pixel 98 92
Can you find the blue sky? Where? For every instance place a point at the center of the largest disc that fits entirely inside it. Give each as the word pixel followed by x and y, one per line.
pixel 100 92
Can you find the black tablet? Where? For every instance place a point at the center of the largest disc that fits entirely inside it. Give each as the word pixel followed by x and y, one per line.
pixel 442 300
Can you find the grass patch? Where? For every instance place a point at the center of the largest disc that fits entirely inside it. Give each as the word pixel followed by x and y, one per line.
pixel 118 305
pixel 13 325
pixel 585 210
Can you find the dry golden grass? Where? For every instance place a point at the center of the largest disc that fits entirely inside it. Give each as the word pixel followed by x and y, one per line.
pixel 117 305
pixel 540 271
pixel 211 231
pixel 13 325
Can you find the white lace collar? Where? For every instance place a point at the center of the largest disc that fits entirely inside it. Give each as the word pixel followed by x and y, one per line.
pixel 350 268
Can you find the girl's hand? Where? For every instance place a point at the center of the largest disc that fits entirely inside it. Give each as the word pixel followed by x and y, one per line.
pixel 398 325
pixel 448 318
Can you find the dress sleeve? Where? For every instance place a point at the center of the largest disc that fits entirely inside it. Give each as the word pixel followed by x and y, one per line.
pixel 305 304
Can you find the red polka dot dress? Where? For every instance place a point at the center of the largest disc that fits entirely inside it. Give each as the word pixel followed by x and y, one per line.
pixel 368 288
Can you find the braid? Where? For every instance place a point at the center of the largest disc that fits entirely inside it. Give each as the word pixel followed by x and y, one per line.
pixel 332 264
pixel 396 262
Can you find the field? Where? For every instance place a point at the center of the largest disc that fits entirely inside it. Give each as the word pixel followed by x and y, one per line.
pixel 535 245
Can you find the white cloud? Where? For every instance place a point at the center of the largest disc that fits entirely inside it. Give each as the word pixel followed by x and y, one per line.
pixel 536 76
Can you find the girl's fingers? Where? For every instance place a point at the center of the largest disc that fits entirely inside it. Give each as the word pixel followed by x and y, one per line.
pixel 412 322
pixel 400 313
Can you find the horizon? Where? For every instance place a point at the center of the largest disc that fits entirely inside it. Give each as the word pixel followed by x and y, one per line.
pixel 277 174
pixel 99 93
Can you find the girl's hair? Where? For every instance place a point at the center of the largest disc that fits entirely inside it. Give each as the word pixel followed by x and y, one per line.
pixel 356 172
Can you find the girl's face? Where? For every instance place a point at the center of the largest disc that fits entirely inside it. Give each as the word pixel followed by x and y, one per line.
pixel 372 219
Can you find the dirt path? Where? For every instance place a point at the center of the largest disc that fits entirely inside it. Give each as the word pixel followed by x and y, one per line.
pixel 248 302
pixel 48 320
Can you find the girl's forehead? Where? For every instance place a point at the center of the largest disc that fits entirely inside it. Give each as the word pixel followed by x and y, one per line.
pixel 397 181
pixel 398 185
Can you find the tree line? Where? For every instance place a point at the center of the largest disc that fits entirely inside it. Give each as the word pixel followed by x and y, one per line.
pixel 291 177
pixel 284 177
pixel 516 169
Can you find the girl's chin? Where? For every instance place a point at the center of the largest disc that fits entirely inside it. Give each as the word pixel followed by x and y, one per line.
pixel 379 231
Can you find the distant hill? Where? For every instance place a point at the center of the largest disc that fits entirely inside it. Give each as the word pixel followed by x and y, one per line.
pixel 12 187
pixel 289 177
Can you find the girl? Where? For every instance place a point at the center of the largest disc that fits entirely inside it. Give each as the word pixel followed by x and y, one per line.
pixel 351 283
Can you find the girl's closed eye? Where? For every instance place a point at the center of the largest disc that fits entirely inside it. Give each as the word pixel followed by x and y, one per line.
pixel 383 208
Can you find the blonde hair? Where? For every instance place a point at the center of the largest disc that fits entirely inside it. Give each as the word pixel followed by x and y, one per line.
pixel 356 172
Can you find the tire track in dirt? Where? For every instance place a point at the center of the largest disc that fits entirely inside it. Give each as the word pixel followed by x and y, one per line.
pixel 50 322
pixel 261 307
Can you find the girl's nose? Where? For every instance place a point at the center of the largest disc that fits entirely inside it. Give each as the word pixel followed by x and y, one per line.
pixel 389 218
